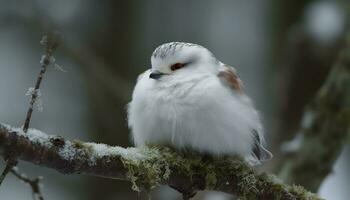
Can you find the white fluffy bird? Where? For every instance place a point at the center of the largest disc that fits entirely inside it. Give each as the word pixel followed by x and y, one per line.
pixel 190 100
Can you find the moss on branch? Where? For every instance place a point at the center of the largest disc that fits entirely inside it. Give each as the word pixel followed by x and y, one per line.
pixel 147 166
pixel 325 129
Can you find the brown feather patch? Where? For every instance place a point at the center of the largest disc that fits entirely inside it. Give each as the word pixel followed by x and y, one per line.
pixel 230 78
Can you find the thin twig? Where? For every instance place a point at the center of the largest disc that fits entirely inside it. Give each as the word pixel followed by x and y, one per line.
pixel 50 43
pixel 9 165
pixel 33 183
pixel 90 63
pixel 34 97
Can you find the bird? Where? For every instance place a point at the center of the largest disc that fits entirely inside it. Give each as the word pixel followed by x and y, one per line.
pixel 188 99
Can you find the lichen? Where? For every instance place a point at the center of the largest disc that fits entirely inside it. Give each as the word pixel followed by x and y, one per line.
pixel 154 165
pixel 158 162
pixel 149 166
pixel 301 192
pixel 149 169
pixel 292 191
pixel 210 178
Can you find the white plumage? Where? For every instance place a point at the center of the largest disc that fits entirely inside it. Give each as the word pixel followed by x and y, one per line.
pixel 189 99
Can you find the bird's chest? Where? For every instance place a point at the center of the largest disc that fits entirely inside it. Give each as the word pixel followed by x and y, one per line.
pixel 169 106
pixel 168 111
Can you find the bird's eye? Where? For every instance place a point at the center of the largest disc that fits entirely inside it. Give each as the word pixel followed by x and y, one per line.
pixel 177 66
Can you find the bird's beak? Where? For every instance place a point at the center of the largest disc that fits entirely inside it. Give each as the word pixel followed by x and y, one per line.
pixel 156 75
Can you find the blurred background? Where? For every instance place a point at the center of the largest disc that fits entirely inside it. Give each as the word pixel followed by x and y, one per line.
pixel 282 50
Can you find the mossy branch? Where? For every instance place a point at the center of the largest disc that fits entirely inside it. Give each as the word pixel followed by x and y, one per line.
pixel 325 128
pixel 146 167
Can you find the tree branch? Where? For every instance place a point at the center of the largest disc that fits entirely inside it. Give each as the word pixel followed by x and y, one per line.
pixel 50 42
pixel 33 183
pixel 325 128
pixel 146 167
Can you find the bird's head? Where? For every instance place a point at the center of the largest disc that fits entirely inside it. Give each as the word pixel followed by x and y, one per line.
pixel 179 58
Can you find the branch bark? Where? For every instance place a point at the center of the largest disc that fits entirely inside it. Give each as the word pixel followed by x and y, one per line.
pixel 325 128
pixel 146 167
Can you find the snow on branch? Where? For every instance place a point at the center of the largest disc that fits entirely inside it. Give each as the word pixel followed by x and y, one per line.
pixel 146 167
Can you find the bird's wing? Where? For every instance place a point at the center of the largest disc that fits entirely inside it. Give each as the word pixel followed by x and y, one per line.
pixel 259 151
pixel 229 77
